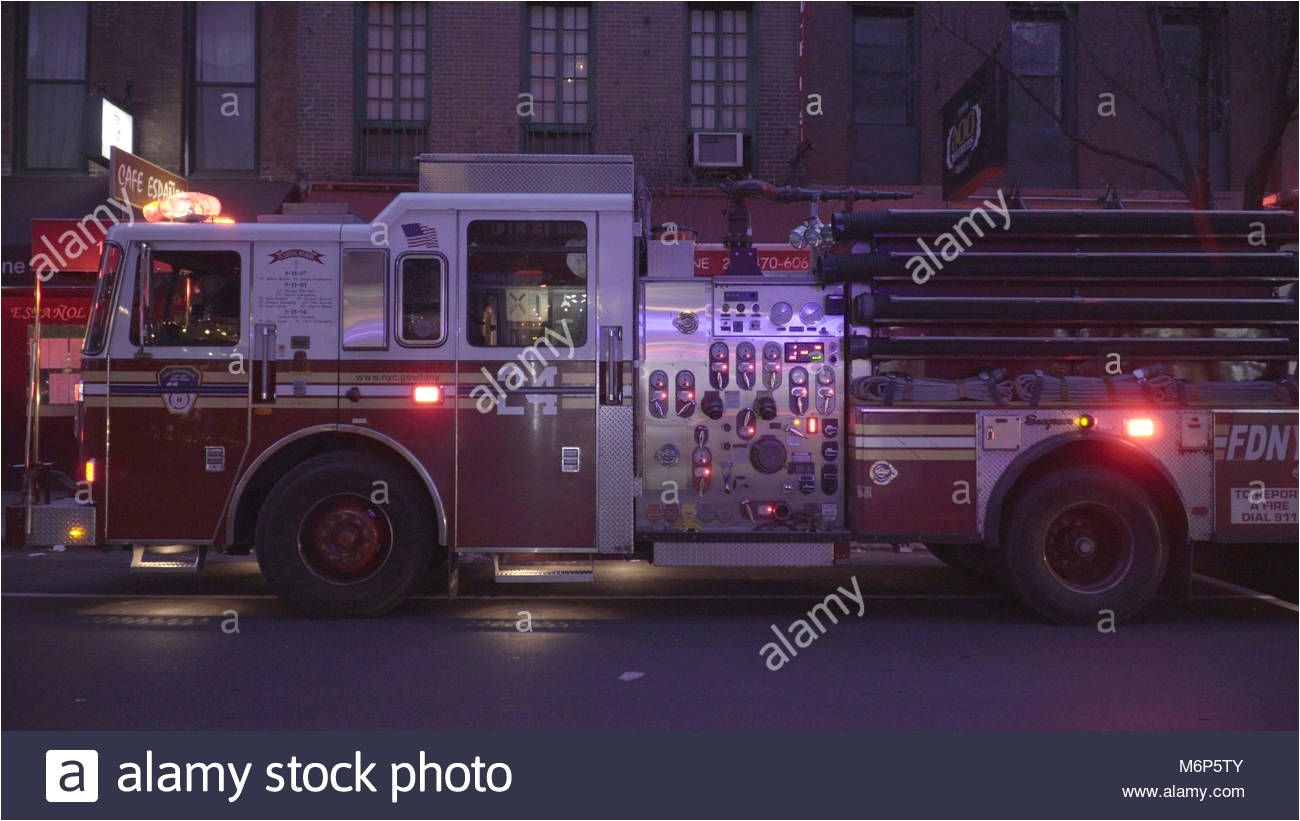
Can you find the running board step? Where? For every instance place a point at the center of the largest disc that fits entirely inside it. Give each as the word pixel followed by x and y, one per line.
pixel 567 570
pixel 168 558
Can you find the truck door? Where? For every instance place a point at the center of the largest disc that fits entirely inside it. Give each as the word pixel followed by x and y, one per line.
pixel 526 417
pixel 177 390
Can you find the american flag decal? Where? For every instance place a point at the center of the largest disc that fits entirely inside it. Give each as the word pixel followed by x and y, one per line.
pixel 420 236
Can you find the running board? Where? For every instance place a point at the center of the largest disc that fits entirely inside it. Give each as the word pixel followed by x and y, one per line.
pixel 168 558
pixel 567 570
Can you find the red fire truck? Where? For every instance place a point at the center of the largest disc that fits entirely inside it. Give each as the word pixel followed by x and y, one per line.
pixel 509 366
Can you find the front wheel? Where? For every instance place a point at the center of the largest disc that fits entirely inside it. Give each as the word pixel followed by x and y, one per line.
pixel 344 534
pixel 1085 545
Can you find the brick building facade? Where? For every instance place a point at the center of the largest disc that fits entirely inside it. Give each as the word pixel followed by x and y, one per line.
pixel 331 110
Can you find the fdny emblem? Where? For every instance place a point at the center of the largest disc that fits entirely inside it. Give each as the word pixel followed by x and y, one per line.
pixel 686 322
pixel 180 387
pixel 882 473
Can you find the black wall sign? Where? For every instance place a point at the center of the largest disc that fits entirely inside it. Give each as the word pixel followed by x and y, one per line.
pixel 975 132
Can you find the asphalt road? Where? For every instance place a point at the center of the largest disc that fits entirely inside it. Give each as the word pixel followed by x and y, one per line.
pixel 88 646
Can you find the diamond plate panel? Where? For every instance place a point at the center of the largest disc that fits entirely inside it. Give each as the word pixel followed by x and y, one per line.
pixel 51 523
pixel 526 174
pixel 743 554
pixel 1191 471
pixel 614 478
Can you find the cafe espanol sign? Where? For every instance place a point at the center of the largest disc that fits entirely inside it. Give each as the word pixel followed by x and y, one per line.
pixel 139 181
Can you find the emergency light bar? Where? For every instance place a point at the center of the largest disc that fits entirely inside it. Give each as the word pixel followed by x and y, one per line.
pixel 187 206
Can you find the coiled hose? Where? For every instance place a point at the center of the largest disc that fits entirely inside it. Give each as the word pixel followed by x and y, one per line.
pixel 890 388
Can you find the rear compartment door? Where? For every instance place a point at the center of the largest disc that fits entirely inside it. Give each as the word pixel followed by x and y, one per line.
pixel 1255 468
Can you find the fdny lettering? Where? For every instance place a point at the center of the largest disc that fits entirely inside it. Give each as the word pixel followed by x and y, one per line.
pixel 530 368
pixel 544 379
pixel 1269 443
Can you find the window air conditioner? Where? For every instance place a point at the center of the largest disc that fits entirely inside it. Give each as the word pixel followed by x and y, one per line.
pixel 719 149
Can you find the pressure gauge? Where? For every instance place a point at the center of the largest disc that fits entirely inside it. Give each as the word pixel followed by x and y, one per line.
pixel 781 313
pixel 811 313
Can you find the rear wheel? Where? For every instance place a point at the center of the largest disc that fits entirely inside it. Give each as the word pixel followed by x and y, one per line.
pixel 345 534
pixel 1085 544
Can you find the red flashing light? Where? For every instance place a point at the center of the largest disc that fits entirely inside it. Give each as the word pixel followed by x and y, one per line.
pixel 427 394
pixel 812 424
pixel 1140 427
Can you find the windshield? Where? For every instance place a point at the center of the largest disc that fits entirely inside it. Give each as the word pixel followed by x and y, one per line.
pixel 101 310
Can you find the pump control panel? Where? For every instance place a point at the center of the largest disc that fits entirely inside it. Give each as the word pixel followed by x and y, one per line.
pixel 752 440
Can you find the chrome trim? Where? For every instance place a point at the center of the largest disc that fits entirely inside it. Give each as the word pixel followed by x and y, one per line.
pixel 265 455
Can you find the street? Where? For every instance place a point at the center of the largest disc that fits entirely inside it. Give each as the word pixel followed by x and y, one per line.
pixel 88 646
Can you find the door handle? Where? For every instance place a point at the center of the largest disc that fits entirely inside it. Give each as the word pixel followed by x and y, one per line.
pixel 611 351
pixel 264 352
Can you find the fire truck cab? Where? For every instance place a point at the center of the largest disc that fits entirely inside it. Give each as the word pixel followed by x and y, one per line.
pixel 507 365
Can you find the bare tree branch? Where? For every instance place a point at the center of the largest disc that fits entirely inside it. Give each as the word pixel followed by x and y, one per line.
pixel 1069 132
pixel 1283 114
pixel 1164 122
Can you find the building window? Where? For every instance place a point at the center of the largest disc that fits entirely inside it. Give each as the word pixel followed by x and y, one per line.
pixel 883 137
pixel 225 87
pixel 1187 34
pixel 55 89
pixel 558 79
pixel 1037 47
pixel 1042 62
pixel 1182 37
pixel 721 74
pixel 393 87
pixel 884 66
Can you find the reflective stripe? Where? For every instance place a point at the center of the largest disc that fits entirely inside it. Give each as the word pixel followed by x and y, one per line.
pixel 914 442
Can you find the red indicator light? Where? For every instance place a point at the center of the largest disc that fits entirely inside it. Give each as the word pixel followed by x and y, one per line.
pixel 812 424
pixel 1140 427
pixel 427 394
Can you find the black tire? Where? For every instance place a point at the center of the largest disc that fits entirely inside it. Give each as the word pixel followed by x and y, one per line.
pixel 333 543
pixel 1084 542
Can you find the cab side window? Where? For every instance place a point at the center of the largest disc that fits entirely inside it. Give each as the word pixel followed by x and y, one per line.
pixel 193 298
pixel 527 281
pixel 420 289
